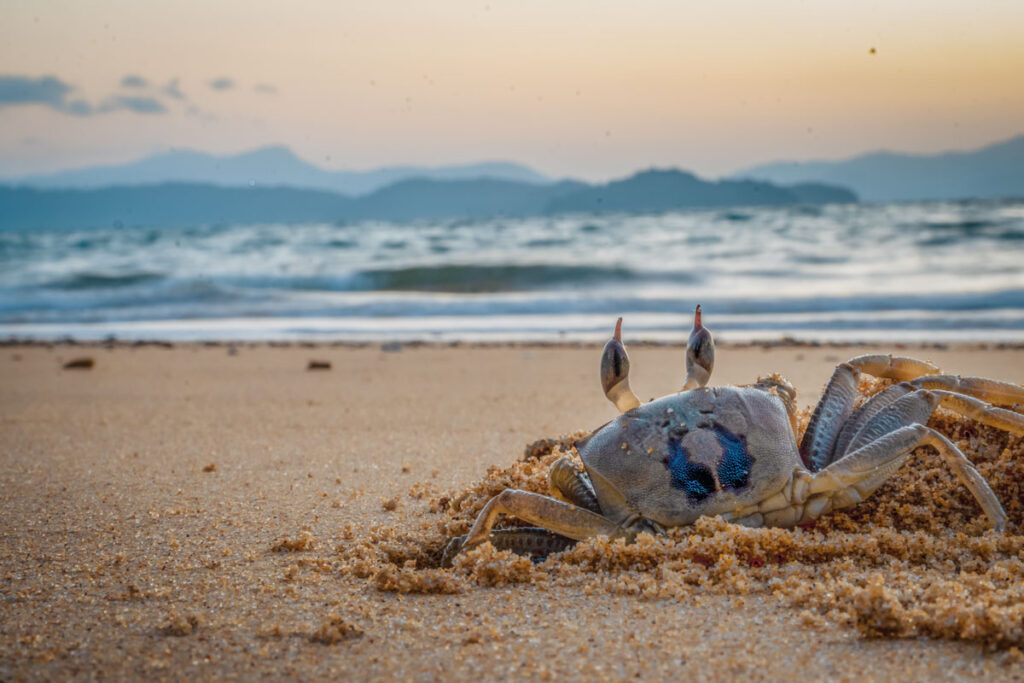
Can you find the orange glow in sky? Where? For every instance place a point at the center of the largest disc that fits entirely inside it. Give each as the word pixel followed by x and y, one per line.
pixel 591 89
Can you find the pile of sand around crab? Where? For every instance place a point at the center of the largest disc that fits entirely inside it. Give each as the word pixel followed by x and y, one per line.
pixel 915 559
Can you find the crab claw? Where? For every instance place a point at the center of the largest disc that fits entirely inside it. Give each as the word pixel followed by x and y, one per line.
pixel 615 372
pixel 700 355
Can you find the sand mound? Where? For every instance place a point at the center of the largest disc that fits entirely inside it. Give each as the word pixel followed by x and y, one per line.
pixel 915 559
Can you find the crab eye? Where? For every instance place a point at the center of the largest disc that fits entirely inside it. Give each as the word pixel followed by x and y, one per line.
pixel 614 364
pixel 700 349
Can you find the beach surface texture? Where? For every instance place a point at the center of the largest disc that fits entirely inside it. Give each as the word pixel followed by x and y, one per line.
pixel 232 512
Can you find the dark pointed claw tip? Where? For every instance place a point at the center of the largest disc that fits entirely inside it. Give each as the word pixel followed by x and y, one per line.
pixel 696 317
pixel 451 550
pixel 618 331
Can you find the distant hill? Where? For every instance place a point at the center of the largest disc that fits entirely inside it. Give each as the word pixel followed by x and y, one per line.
pixel 269 166
pixel 421 198
pixel 666 189
pixel 183 204
pixel 167 205
pixel 993 171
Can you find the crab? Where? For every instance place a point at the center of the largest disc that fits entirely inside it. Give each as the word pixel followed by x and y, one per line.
pixel 732 451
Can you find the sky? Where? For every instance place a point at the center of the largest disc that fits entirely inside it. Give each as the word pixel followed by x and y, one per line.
pixel 591 89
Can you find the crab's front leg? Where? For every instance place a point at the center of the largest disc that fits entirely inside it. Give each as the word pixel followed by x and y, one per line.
pixel 521 540
pixel 561 518
pixel 565 481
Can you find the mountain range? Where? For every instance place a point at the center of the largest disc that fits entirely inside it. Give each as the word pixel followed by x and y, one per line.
pixel 183 204
pixel 274 185
pixel 993 171
pixel 274 166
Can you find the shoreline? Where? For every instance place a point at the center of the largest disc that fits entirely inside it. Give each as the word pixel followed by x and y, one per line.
pixel 784 343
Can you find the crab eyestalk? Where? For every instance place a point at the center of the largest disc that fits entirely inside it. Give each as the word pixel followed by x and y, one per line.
pixel 700 355
pixel 615 373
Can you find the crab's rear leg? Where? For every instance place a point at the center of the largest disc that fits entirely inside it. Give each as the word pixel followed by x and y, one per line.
pixel 989 390
pixel 853 478
pixel 887 366
pixel 836 405
pixel 985 413
pixel 877 450
pixel 970 396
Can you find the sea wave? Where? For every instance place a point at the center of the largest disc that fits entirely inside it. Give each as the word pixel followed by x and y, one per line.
pixel 918 269
pixel 506 277
pixel 93 280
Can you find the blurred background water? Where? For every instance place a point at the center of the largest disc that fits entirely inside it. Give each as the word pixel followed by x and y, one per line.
pixel 925 271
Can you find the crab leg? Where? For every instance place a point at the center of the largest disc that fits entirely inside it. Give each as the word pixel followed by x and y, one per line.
pixel 985 413
pixel 892 367
pixel 818 446
pixel 568 483
pixel 902 405
pixel 561 518
pixel 872 407
pixel 532 541
pixel 854 477
pixel 990 390
pixel 832 411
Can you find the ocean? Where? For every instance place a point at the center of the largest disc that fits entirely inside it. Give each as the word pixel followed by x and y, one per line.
pixel 902 272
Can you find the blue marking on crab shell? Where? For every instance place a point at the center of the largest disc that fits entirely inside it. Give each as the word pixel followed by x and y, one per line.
pixel 693 478
pixel 734 467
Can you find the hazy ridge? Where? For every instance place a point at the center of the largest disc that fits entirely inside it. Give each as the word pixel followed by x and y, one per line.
pixel 185 204
pixel 993 171
pixel 273 166
pixel 272 185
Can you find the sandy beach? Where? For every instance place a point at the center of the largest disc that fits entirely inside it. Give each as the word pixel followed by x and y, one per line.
pixel 199 512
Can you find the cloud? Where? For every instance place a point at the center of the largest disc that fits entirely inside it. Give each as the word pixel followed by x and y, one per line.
pixel 139 105
pixel 222 83
pixel 52 92
pixel 172 90
pixel 78 108
pixel 48 91
pixel 266 88
pixel 134 81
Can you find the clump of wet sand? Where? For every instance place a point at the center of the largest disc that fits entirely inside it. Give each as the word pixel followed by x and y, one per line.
pixel 180 624
pixel 303 542
pixel 915 559
pixel 335 629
